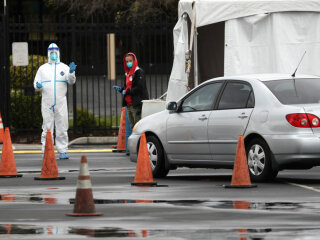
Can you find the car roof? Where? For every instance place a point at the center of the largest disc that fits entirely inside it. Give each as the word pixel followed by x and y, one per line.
pixel 265 77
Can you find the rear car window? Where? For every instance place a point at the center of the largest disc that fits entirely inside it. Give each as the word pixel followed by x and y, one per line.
pixel 296 91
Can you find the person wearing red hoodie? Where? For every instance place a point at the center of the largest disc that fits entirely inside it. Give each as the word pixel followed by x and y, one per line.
pixel 134 89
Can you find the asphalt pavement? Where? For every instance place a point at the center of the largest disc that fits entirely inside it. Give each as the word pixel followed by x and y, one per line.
pixel 187 204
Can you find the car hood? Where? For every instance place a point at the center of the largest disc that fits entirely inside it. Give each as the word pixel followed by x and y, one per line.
pixel 155 122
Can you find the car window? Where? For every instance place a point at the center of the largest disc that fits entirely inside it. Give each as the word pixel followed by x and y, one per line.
pixel 296 91
pixel 236 95
pixel 202 99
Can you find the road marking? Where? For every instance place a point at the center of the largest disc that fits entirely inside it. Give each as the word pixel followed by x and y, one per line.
pixel 70 151
pixel 304 186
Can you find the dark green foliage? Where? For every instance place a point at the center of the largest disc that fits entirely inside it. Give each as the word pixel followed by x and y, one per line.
pixel 89 123
pixel 20 77
pixel 25 112
pixel 85 120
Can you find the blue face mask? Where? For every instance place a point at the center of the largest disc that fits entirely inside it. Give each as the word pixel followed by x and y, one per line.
pixel 129 64
pixel 53 56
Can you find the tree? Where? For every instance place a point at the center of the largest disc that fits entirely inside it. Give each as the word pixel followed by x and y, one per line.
pixel 135 11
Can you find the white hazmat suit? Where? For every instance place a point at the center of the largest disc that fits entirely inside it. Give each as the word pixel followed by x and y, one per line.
pixel 54 78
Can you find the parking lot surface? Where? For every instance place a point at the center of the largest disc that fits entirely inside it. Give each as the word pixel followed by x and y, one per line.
pixel 187 204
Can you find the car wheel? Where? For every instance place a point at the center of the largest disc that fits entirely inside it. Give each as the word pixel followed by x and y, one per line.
pixel 259 161
pixel 156 156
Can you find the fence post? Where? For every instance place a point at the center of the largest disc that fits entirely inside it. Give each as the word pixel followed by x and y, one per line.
pixel 5 85
pixel 73 56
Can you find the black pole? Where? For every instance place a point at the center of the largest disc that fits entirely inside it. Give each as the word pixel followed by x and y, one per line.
pixel 5 110
pixel 73 55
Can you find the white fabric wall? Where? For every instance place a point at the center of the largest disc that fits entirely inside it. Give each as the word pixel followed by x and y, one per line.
pixel 273 43
pixel 212 11
pixel 178 79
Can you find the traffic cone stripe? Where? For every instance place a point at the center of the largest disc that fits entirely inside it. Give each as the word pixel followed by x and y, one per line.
pixel 84 170
pixel 83 177
pixel 84 184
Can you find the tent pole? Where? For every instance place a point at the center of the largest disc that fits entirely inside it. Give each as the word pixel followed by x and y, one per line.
pixel 195 57
pixel 188 53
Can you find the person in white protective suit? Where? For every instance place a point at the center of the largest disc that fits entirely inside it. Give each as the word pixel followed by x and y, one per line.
pixel 52 79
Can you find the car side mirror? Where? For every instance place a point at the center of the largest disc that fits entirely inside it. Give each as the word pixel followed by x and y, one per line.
pixel 172 106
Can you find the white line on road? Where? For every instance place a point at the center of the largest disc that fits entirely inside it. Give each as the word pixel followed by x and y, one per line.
pixel 304 186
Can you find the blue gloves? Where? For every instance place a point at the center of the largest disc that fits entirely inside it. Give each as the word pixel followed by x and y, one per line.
pixel 72 67
pixel 39 85
pixel 123 92
pixel 117 88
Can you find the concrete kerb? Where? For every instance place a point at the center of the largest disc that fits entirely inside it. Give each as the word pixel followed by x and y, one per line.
pixel 94 140
pixel 77 141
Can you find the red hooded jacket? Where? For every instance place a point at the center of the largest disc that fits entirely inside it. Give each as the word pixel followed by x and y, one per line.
pixel 129 72
pixel 135 85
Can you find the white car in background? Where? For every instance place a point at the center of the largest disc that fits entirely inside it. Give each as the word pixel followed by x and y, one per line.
pixel 278 115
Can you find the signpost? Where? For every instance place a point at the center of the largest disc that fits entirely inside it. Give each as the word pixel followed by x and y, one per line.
pixel 20 54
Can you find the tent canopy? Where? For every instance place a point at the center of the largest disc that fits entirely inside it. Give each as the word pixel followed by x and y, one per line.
pixel 244 37
pixel 213 11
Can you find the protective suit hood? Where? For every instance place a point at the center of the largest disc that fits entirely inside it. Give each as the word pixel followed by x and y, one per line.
pixel 53 48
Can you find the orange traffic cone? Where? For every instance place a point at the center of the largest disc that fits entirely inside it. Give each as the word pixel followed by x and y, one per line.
pixel 1 130
pixel 84 204
pixel 49 164
pixel 143 175
pixel 121 146
pixel 8 166
pixel 240 175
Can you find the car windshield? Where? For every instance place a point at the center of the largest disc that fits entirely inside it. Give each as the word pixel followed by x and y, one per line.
pixel 296 91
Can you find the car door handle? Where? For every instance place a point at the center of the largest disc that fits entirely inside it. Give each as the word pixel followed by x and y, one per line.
pixel 242 117
pixel 203 118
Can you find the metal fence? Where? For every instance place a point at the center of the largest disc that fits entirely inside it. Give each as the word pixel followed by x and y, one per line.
pixel 94 107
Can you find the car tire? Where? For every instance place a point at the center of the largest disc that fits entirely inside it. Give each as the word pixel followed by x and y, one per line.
pixel 259 161
pixel 157 158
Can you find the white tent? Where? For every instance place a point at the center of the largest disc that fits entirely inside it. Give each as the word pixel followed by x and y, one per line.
pixel 233 37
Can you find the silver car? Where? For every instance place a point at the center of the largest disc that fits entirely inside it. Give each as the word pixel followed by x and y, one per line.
pixel 277 114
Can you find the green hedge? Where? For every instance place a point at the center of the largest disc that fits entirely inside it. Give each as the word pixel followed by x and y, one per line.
pixel 86 121
pixel 21 77
pixel 25 112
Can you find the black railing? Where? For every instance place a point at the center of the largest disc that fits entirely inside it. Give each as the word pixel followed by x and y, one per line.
pixel 94 107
